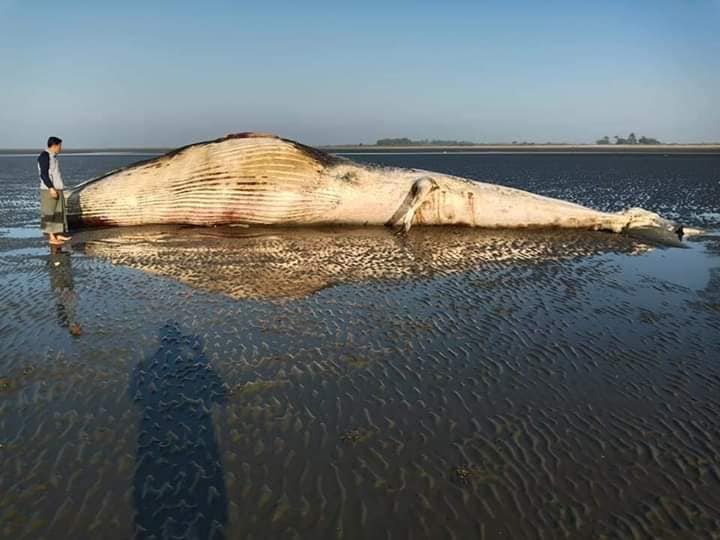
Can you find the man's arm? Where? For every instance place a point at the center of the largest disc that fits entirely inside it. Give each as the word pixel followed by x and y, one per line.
pixel 44 163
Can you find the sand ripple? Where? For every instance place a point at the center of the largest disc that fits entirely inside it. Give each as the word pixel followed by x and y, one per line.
pixel 443 385
pixel 233 383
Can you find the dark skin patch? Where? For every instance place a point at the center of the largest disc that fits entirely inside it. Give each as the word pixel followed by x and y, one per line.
pixel 325 159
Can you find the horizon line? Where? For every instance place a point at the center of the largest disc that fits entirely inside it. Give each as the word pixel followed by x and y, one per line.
pixel 463 145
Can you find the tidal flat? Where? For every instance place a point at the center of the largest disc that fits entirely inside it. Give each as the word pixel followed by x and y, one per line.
pixel 235 382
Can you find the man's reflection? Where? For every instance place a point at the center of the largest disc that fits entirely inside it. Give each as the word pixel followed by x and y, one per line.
pixel 61 282
pixel 179 488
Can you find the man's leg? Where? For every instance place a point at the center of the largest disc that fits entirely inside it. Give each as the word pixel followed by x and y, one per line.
pixel 54 239
pixel 48 217
pixel 61 204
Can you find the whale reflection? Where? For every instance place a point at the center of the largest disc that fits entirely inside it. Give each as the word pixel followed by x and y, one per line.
pixel 279 263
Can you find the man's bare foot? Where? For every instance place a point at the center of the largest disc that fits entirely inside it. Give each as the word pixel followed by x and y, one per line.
pixel 75 330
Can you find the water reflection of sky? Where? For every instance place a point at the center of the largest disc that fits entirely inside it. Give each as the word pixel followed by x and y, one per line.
pixel 20 232
pixel 690 268
pixel 548 366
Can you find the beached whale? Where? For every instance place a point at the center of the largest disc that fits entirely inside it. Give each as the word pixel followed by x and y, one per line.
pixel 259 179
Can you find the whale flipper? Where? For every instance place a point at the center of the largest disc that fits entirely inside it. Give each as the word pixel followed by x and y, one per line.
pixel 418 194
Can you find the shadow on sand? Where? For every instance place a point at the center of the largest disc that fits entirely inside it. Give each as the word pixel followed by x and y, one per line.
pixel 179 486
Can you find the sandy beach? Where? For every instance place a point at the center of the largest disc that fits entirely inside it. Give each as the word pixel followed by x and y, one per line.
pixel 318 382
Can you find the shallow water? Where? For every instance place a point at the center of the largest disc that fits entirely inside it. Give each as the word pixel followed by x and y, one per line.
pixel 349 383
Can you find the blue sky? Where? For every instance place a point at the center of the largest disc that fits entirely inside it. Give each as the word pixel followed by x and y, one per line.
pixel 162 73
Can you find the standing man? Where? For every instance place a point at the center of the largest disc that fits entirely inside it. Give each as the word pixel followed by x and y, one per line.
pixel 53 219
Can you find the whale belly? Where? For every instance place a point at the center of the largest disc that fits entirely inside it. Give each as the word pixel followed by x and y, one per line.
pixel 261 181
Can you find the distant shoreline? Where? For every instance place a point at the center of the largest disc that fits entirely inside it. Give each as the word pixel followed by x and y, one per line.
pixel 531 149
pixel 710 148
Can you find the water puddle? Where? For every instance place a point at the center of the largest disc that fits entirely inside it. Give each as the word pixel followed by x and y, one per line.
pixel 25 252
pixel 20 232
pixel 690 267
pixel 294 263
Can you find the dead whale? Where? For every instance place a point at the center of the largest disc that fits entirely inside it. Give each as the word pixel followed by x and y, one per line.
pixel 259 179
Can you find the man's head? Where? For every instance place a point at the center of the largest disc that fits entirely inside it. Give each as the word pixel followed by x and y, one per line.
pixel 55 145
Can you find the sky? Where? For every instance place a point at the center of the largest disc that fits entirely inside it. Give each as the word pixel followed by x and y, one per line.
pixel 167 73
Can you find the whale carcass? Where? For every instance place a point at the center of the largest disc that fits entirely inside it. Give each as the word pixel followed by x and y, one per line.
pixel 258 179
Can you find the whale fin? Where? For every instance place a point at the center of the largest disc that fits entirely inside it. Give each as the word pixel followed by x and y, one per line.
pixel 651 227
pixel 658 235
pixel 421 189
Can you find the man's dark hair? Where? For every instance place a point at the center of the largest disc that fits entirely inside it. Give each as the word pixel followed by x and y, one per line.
pixel 53 141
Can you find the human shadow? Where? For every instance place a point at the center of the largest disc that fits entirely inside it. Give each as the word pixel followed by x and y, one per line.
pixel 179 486
pixel 61 282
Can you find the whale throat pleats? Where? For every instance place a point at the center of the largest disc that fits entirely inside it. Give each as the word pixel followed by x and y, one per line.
pixel 232 180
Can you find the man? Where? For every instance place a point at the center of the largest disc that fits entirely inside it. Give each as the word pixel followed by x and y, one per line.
pixel 53 219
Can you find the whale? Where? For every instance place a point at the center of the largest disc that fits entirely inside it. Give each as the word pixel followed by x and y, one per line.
pixel 258 179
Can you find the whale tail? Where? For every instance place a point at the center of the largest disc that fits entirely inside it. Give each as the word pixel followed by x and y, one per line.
pixel 650 227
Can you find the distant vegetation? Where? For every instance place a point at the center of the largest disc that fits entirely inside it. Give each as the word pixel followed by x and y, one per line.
pixel 404 141
pixel 631 139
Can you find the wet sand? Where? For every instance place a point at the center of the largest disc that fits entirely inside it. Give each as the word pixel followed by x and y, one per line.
pixel 348 383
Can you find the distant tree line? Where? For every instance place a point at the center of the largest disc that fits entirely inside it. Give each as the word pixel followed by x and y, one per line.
pixel 404 141
pixel 631 139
